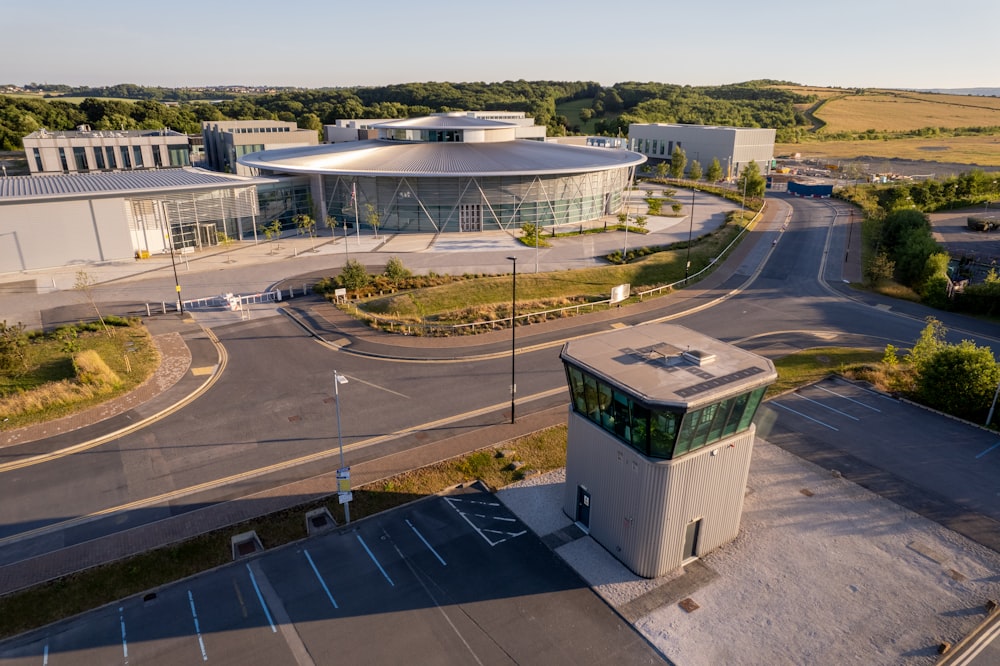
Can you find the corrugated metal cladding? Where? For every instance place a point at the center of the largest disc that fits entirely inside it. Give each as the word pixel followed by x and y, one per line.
pixel 640 508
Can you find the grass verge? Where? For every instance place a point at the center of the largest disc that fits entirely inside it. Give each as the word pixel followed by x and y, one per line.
pixel 811 365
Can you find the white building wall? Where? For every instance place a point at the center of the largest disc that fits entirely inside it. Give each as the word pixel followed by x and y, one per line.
pixel 734 147
pixel 59 233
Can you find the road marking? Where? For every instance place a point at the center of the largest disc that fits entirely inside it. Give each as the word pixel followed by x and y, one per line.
pixel 45 655
pixel 121 619
pixel 978 645
pixel 827 425
pixel 376 386
pixel 429 547
pixel 453 501
pixel 201 372
pixel 197 628
pixel 94 443
pixel 857 402
pixel 372 555
pixel 988 450
pixel 260 597
pixel 261 471
pixel 320 578
pixel 239 597
pixel 816 402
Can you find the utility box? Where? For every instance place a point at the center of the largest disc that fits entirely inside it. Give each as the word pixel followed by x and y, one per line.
pixel 660 438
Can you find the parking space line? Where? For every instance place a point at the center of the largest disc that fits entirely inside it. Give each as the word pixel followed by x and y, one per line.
pixel 817 402
pixel 320 578
pixel 452 502
pixel 429 547
pixel 827 425
pixel 197 628
pixel 121 619
pixel 45 655
pixel 857 402
pixel 988 450
pixel 260 596
pixel 372 555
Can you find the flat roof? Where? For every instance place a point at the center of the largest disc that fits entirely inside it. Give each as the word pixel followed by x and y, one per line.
pixel 19 189
pixel 444 122
pixel 381 157
pixel 92 133
pixel 667 364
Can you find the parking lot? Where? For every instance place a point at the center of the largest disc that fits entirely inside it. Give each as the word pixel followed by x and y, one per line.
pixel 455 579
pixel 941 468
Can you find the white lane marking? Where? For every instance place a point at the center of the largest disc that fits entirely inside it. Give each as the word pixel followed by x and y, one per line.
pixel 856 402
pixel 980 644
pixel 437 604
pixel 452 502
pixel 121 619
pixel 320 578
pixel 45 655
pixel 372 555
pixel 260 597
pixel 376 386
pixel 987 450
pixel 429 547
pixel 817 402
pixel 778 404
pixel 197 628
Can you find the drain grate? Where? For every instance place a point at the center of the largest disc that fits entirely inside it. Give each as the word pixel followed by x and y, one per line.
pixel 688 605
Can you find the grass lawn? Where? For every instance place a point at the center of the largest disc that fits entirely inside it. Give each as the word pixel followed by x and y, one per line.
pixel 48 387
pixel 483 298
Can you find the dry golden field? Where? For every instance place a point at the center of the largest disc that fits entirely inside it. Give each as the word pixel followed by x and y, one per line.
pixel 897 111
pixel 973 150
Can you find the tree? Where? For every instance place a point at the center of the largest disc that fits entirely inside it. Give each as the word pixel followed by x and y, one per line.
pixel 354 276
pixel 395 270
pixel 372 217
pixel 694 171
pixel 878 269
pixel 931 340
pixel 85 283
pixel 678 160
pixel 271 231
pixel 13 340
pixel 714 173
pixel 750 180
pixel 959 380
pixel 661 170
pixel 307 225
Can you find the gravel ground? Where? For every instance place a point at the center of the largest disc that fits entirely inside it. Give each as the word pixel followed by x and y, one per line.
pixel 841 576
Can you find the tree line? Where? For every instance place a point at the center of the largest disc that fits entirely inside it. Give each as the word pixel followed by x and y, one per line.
pixel 752 104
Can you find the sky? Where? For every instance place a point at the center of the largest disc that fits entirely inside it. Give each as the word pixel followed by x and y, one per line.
pixel 910 44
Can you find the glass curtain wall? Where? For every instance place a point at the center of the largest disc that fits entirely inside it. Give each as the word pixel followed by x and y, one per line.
pixel 656 431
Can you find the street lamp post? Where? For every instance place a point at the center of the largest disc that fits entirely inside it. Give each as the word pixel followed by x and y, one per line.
pixel 513 338
pixel 173 264
pixel 687 264
pixel 343 474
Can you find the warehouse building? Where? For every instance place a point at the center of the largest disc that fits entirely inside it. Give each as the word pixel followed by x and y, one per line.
pixel 734 147
pixel 660 437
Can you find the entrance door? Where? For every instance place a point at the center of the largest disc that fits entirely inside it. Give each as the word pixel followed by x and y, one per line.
pixel 470 217
pixel 691 540
pixel 583 507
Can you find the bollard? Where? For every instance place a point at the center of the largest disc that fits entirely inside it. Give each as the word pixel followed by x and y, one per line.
pixel 163 304
pixel 148 313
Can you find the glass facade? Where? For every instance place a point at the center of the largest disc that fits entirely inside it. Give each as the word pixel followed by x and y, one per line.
pixel 430 205
pixel 656 431
pixel 283 201
pixel 180 156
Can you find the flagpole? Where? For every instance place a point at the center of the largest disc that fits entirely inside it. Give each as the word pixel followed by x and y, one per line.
pixel 357 219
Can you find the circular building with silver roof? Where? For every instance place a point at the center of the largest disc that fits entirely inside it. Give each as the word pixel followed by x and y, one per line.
pixel 448 173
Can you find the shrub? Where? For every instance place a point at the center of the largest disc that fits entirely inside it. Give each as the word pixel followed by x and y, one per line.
pixel 395 270
pixel 91 370
pixel 354 276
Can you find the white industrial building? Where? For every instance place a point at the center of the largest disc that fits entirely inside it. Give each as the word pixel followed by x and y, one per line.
pixel 59 220
pixel 660 438
pixel 360 129
pixel 734 147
